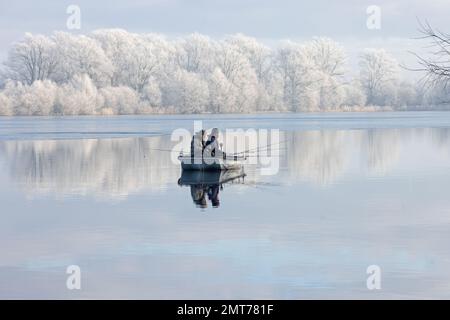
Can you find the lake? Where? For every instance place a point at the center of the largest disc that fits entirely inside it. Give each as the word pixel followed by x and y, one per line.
pixel 352 190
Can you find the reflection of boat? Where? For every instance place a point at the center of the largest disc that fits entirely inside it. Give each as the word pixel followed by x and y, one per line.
pixel 205 177
pixel 208 184
pixel 211 164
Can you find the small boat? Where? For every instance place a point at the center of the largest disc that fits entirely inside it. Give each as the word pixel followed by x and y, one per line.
pixel 233 162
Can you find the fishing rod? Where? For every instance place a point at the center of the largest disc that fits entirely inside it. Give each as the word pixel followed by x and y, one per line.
pixel 167 150
pixel 248 151
pixel 250 154
pixel 263 147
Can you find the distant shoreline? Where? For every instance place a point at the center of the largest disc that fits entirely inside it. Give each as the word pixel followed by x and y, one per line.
pixel 345 110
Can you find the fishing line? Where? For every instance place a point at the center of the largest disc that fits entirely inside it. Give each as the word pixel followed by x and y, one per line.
pixel 263 147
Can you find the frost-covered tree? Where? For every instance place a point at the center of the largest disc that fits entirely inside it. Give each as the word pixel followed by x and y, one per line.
pixel 257 54
pixel 407 95
pixel 329 60
pixel 152 93
pixel 189 93
pixel 260 58
pixel 36 99
pixel 221 94
pixel 330 94
pixel 5 105
pixel 237 69
pixel 39 98
pixel 78 55
pixel 34 58
pixel 378 76
pixel 437 95
pixel 271 94
pixel 146 62
pixel 194 53
pixel 354 95
pixel 143 65
pixel 116 44
pixel 119 100
pixel 300 77
pixel 112 71
pixel 135 58
pixel 78 97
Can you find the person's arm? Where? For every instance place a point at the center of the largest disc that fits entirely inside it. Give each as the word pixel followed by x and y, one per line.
pixel 213 146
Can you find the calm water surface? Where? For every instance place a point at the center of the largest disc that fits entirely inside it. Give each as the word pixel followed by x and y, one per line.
pixel 352 190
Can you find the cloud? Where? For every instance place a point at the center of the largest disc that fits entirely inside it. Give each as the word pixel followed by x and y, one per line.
pixel 263 19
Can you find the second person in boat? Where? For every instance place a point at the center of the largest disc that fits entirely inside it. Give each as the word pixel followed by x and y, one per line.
pixel 212 148
pixel 197 146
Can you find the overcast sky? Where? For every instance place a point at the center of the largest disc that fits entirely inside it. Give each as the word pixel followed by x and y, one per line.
pixel 267 20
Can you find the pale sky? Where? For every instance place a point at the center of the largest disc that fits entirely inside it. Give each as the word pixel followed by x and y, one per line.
pixel 267 20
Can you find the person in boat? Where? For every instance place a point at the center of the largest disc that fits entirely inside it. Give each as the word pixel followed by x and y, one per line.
pixel 197 145
pixel 212 147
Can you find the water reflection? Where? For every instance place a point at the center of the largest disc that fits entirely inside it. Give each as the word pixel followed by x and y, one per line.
pixel 207 185
pixel 318 156
pixel 120 167
pixel 342 200
pixel 102 167
pixel 381 149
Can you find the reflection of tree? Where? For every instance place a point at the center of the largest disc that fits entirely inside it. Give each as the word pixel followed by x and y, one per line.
pixel 108 166
pixel 441 138
pixel 318 156
pixel 322 156
pixel 382 149
pixel 118 167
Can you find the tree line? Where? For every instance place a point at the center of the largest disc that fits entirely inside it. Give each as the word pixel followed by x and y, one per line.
pixel 117 72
